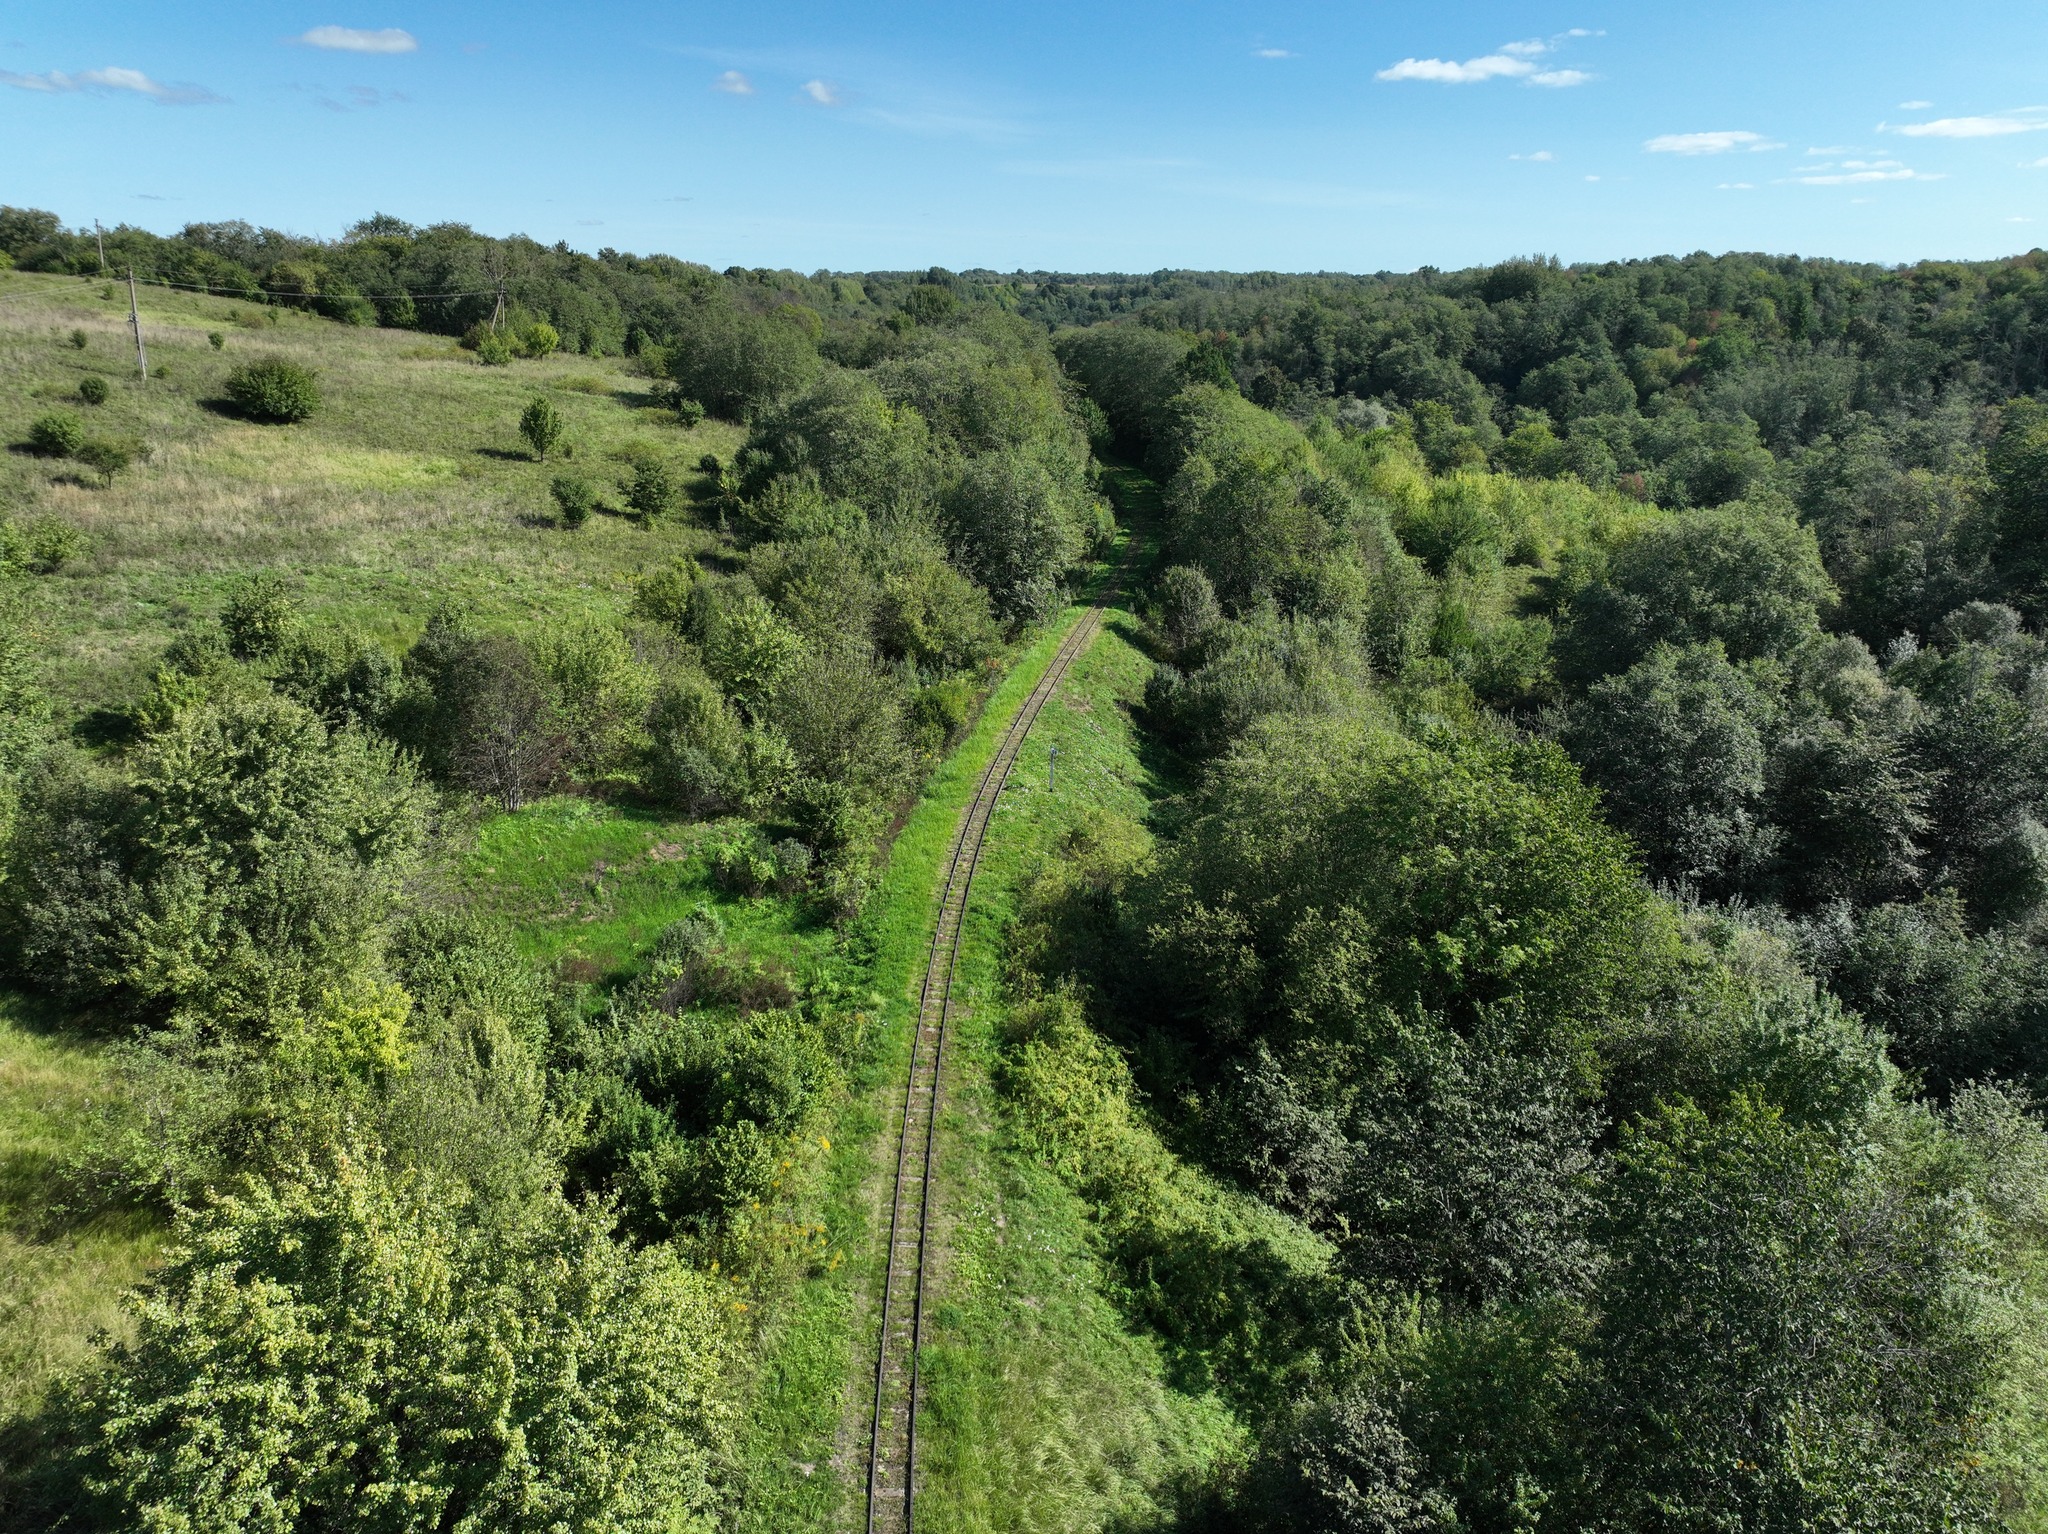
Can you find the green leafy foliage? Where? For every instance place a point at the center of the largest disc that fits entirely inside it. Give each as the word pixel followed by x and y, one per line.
pixel 58 434
pixel 315 1351
pixel 575 498
pixel 542 426
pixel 93 389
pixel 653 493
pixel 274 389
pixel 104 457
pixel 245 862
pixel 261 617
pixel 739 364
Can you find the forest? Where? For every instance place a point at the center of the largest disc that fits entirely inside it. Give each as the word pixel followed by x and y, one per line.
pixel 1539 1020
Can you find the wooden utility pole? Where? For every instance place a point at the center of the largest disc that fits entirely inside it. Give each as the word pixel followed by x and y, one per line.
pixel 99 238
pixel 135 323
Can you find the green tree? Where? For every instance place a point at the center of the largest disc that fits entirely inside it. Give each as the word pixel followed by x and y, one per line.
pixel 739 364
pixel 105 458
pixel 697 757
pixel 598 692
pixel 575 498
pixel 245 863
pixel 749 649
pixel 1749 577
pixel 1018 530
pixel 653 493
pixel 542 426
pixel 1187 610
pixel 352 1346
pixel 1678 746
pixel 1788 1337
pixel 540 339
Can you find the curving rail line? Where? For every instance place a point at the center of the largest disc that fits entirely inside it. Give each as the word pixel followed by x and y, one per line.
pixel 892 1445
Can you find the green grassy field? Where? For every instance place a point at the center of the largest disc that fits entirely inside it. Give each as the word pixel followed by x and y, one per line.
pixel 410 486
pixel 60 1278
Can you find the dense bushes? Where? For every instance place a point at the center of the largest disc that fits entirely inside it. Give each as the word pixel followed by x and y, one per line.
pixel 274 389
pixel 356 1344
pixel 241 866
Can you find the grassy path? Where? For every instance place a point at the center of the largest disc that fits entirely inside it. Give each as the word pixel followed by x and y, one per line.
pixel 1043 1409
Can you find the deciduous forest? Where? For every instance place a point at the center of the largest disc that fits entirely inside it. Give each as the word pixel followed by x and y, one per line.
pixel 1520 1002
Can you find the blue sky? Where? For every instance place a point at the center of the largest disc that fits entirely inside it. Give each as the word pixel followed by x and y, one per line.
pixel 1077 136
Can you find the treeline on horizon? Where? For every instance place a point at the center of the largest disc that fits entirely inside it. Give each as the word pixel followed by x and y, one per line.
pixel 1567 1051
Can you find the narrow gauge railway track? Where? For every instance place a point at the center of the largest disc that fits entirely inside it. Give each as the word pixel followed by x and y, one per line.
pixel 892 1444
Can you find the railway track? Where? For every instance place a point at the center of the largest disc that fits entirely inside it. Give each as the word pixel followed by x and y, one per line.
pixel 892 1444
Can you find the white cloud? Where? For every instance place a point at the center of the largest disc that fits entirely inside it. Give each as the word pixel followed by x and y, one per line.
pixel 1592 178
pixel 733 83
pixel 1493 66
pixel 112 79
pixel 1861 172
pixel 1736 186
pixel 2040 164
pixel 361 39
pixel 1541 156
pixel 1708 143
pixel 1971 127
pixel 1274 53
pixel 1510 61
pixel 825 95
pixel 1827 149
pixel 1914 106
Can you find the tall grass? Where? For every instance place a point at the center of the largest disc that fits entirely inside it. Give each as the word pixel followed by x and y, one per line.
pixel 410 487
pixel 60 1279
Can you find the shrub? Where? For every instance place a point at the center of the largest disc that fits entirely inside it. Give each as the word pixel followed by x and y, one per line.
pixel 355 1347
pixel 575 498
pixel 216 340
pixel 598 690
pixel 492 350
pixel 56 435
pixel 697 749
pixel 653 492
pixel 92 389
pixel 104 458
pixel 541 426
pixel 540 339
pixel 274 389
pixel 1186 610
pixel 78 340
pixel 480 713
pixel 744 865
pixel 242 865
pixel 342 676
pixel 41 547
pixel 260 617
pixel 688 411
